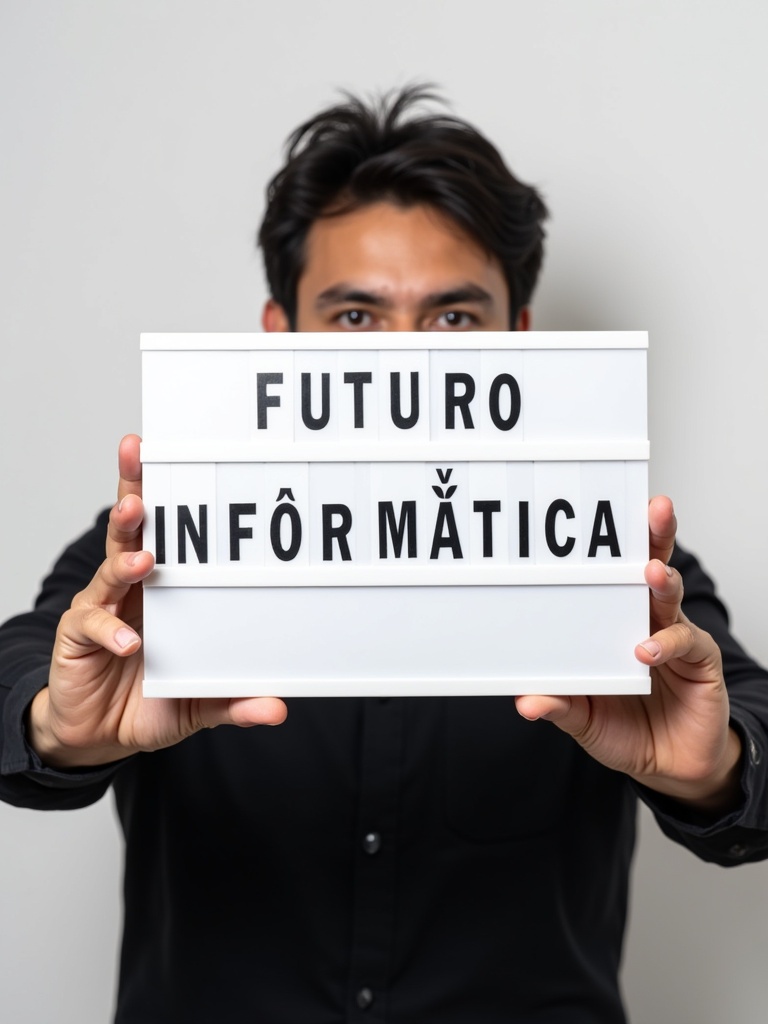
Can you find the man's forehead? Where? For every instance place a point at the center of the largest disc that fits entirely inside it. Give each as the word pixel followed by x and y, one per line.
pixel 382 222
pixel 395 251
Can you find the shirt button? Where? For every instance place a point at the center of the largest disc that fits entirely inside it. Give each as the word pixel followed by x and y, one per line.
pixel 371 845
pixel 364 998
pixel 738 850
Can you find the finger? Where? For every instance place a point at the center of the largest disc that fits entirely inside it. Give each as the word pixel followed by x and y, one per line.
pixel 114 578
pixel 682 642
pixel 662 526
pixel 666 587
pixel 87 628
pixel 91 622
pixel 129 466
pixel 124 529
pixel 241 711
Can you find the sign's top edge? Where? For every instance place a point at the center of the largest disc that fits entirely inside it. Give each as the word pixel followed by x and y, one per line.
pixel 393 340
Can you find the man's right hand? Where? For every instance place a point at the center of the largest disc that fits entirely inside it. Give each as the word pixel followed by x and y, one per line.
pixel 92 712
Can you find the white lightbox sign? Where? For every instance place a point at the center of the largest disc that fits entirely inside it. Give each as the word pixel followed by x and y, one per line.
pixel 392 514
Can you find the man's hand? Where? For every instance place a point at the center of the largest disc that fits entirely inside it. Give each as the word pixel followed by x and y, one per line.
pixel 676 741
pixel 92 711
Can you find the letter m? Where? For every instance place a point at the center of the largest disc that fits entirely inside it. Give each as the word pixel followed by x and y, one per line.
pixel 397 529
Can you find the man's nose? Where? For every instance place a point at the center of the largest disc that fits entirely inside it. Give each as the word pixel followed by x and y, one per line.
pixel 403 320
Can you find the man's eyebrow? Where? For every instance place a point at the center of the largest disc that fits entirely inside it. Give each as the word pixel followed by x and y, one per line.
pixel 347 293
pixel 456 296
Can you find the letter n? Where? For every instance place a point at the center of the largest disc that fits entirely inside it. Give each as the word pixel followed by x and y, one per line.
pixel 186 527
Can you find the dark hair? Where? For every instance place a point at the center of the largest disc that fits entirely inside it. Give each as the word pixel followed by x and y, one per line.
pixel 358 153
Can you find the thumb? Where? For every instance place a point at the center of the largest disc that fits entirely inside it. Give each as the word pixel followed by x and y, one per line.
pixel 571 714
pixel 242 711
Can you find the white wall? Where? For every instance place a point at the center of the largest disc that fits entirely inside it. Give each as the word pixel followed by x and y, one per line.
pixel 135 140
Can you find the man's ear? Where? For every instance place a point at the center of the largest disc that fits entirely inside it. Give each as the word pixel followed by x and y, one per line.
pixel 274 318
pixel 523 320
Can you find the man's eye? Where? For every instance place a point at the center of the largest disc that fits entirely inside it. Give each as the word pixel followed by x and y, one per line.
pixel 354 319
pixel 453 319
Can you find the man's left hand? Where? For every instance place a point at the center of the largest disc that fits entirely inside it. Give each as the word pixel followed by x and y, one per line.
pixel 676 741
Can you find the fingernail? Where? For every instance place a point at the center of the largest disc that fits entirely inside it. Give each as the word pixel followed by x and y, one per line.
pixel 670 570
pixel 120 505
pixel 124 637
pixel 133 557
pixel 653 648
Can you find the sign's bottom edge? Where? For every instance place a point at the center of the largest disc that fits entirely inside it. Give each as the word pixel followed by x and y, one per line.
pixel 395 687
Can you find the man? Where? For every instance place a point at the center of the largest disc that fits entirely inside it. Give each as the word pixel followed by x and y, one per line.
pixel 404 860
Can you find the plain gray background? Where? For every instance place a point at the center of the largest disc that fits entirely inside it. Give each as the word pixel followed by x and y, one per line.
pixel 136 137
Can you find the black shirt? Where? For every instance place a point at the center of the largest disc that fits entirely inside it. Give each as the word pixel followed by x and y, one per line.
pixel 404 860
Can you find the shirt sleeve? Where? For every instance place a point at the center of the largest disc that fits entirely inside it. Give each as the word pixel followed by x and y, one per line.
pixel 741 835
pixel 26 643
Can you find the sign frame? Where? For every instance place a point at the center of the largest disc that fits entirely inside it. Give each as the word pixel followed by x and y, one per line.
pixel 349 627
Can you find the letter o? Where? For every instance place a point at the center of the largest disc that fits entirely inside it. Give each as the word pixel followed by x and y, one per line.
pixel 275 527
pixel 515 401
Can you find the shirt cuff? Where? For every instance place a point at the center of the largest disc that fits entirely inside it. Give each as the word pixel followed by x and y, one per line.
pixel 19 758
pixel 739 836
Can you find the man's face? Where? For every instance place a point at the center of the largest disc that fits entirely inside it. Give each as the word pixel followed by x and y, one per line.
pixel 390 268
